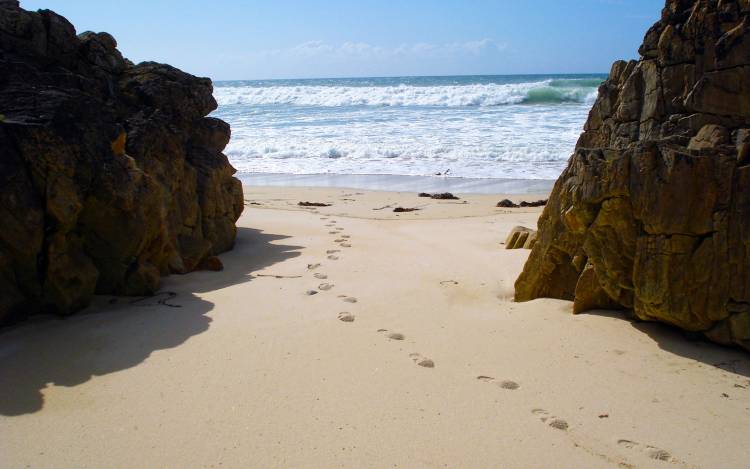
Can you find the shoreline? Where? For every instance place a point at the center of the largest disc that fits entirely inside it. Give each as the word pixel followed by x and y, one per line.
pixel 400 183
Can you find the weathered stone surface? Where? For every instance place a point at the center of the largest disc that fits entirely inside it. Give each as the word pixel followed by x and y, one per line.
pixel 589 293
pixel 110 174
pixel 530 240
pixel 652 213
pixel 520 237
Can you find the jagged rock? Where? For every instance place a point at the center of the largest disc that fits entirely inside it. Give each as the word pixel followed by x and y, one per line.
pixel 110 174
pixel 709 136
pixel 534 203
pixel 652 213
pixel 520 237
pixel 530 240
pixel 589 293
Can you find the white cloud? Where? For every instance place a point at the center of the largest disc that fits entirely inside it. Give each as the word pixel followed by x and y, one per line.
pixel 363 50
pixel 355 58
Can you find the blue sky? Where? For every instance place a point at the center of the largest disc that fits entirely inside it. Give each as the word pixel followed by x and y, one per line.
pixel 233 39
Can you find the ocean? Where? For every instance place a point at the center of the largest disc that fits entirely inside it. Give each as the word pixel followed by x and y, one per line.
pixel 498 127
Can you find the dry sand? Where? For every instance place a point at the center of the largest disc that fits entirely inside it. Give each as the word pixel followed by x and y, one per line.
pixel 411 354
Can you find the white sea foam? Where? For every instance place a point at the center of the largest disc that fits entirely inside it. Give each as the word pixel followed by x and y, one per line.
pixel 406 95
pixel 477 130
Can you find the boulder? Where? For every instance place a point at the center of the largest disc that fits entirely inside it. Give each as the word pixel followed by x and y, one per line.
pixel 520 237
pixel 652 213
pixel 111 175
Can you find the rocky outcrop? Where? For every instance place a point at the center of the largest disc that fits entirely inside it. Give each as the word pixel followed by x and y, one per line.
pixel 652 213
pixel 110 174
pixel 520 237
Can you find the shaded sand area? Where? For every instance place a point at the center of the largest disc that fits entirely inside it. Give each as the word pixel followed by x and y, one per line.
pixel 409 354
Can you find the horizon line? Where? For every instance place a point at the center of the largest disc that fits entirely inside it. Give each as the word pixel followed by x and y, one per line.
pixel 361 77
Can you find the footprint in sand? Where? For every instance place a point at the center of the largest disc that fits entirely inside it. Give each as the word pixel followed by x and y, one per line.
pixel 320 276
pixel 349 299
pixel 346 317
pixel 651 451
pixel 333 251
pixel 325 286
pixel 324 218
pixel 333 258
pixel 345 245
pixel 550 420
pixel 339 228
pixel 422 360
pixel 345 236
pixel 392 335
pixel 312 266
pixel 339 240
pixel 505 384
pixel 311 292
pixel 333 232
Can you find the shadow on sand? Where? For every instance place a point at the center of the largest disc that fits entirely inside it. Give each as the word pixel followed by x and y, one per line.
pixel 694 346
pixel 106 338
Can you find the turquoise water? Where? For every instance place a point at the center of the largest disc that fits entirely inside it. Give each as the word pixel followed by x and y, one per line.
pixel 511 127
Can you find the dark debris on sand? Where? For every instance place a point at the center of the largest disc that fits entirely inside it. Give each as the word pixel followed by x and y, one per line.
pixel 405 209
pixel 313 204
pixel 441 196
pixel 506 203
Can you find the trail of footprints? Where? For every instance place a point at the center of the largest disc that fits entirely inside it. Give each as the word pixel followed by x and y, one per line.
pixel 344 241
pixel 651 451
pixel 506 384
pixel 552 421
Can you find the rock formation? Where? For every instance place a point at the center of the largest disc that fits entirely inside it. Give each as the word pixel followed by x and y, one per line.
pixel 521 237
pixel 652 213
pixel 507 203
pixel 110 174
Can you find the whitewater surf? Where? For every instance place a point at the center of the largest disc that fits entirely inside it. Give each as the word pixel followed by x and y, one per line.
pixel 511 127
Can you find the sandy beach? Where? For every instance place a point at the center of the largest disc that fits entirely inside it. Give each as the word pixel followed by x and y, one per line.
pixel 411 353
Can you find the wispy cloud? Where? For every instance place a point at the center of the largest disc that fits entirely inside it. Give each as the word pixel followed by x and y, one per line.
pixel 363 50
pixel 355 58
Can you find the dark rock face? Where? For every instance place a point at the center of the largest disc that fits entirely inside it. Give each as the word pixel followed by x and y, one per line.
pixel 110 174
pixel 652 213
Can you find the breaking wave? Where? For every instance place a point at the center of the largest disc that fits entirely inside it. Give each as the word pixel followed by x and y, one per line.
pixel 550 91
pixel 516 127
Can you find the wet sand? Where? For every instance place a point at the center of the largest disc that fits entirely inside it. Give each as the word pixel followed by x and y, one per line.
pixel 395 183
